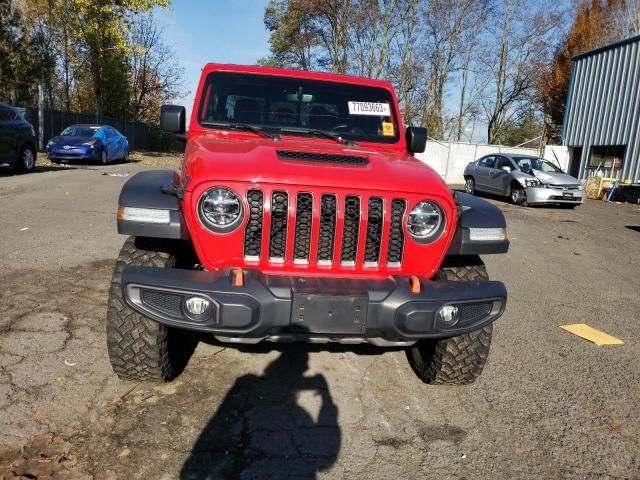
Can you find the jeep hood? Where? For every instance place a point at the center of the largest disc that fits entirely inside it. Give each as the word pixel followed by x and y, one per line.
pixel 210 158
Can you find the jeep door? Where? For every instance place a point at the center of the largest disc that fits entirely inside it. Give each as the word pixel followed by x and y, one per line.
pixel 500 178
pixel 484 168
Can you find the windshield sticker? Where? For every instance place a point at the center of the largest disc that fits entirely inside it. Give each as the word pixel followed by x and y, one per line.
pixel 387 129
pixel 369 108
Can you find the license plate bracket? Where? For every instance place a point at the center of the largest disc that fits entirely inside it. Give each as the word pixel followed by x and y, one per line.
pixel 329 314
pixel 567 195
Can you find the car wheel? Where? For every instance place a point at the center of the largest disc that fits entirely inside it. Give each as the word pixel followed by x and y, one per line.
pixel 139 348
pixel 26 159
pixel 455 360
pixel 470 186
pixel 104 157
pixel 126 156
pixel 518 195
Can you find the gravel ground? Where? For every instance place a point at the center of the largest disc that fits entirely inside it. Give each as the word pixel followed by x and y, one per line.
pixel 549 404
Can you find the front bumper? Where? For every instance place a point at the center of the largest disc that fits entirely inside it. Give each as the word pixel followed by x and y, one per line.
pixel 279 308
pixel 548 195
pixel 79 153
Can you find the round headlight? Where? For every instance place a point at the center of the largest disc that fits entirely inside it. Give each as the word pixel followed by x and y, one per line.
pixel 220 209
pixel 425 222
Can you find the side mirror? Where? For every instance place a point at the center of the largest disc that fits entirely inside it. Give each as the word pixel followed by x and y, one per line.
pixel 506 168
pixel 172 119
pixel 416 139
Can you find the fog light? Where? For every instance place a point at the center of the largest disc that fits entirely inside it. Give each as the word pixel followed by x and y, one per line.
pixel 197 306
pixel 448 315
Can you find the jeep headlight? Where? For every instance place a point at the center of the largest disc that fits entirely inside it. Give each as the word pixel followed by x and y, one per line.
pixel 425 222
pixel 532 182
pixel 220 209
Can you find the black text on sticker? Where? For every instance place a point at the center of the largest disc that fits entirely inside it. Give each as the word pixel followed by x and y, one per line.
pixel 369 108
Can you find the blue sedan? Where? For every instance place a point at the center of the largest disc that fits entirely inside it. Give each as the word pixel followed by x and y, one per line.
pixel 101 143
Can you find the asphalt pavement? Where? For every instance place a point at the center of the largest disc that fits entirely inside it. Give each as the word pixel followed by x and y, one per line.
pixel 548 405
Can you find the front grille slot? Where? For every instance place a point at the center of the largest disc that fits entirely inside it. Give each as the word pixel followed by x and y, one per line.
pixel 374 231
pixel 396 233
pixel 253 232
pixel 323 157
pixel 327 230
pixel 163 302
pixel 350 230
pixel 278 232
pixel 304 216
pixel 360 234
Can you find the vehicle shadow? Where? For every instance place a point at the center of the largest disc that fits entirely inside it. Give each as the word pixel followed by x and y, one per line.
pixel 260 430
pixel 8 171
pixel 635 228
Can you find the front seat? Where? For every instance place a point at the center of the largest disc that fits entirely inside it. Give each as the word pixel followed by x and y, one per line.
pixel 321 119
pixel 247 110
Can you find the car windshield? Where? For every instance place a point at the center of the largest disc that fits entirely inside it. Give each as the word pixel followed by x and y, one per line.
pixel 532 163
pixel 293 106
pixel 79 131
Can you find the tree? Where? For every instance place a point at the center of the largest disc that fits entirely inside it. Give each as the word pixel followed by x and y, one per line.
pixel 520 131
pixel 155 77
pixel 522 38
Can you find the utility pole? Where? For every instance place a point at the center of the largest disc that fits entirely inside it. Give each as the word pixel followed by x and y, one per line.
pixel 40 117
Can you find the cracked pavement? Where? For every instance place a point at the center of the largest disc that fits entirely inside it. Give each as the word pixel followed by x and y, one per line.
pixel 549 404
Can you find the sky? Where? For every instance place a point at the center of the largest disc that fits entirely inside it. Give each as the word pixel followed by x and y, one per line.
pixel 220 31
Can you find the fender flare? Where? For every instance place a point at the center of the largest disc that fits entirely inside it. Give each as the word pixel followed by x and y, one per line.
pixel 474 212
pixel 156 189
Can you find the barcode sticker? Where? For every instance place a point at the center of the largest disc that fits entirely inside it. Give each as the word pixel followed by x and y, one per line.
pixel 369 108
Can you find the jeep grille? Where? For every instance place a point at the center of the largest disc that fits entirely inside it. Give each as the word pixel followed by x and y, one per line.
pixel 349 223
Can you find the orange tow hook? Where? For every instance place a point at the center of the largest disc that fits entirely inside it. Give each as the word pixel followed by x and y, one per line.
pixel 237 279
pixel 414 284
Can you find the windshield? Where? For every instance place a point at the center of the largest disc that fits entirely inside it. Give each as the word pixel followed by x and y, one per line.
pixel 291 105
pixel 532 163
pixel 74 131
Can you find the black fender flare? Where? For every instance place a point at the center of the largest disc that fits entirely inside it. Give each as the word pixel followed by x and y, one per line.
pixel 156 189
pixel 474 212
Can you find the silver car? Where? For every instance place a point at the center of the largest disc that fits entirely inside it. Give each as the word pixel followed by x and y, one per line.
pixel 525 179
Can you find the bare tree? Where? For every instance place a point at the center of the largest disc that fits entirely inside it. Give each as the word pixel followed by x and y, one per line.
pixel 523 38
pixel 155 75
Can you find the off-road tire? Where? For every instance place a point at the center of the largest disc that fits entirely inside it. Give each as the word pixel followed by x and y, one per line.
pixel 139 348
pixel 456 360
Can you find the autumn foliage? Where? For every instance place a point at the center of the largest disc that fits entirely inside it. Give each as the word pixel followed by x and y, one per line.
pixel 592 28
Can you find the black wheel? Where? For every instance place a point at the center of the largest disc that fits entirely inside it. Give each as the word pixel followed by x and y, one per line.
pixel 26 159
pixel 126 156
pixel 104 156
pixel 457 360
pixel 139 348
pixel 470 185
pixel 518 195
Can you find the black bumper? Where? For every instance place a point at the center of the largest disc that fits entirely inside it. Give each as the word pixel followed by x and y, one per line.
pixel 276 306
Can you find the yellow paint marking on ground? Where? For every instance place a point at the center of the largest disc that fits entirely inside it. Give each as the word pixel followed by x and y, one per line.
pixel 589 333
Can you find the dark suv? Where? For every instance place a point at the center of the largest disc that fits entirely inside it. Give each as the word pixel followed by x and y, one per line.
pixel 17 140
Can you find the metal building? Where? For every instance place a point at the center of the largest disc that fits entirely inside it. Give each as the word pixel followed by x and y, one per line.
pixel 602 120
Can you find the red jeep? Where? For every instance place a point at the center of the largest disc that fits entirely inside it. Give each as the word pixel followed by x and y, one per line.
pixel 300 213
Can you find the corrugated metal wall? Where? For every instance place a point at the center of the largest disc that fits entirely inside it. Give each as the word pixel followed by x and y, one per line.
pixel 603 107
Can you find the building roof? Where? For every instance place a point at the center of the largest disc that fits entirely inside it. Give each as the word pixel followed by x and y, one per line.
pixel 611 46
